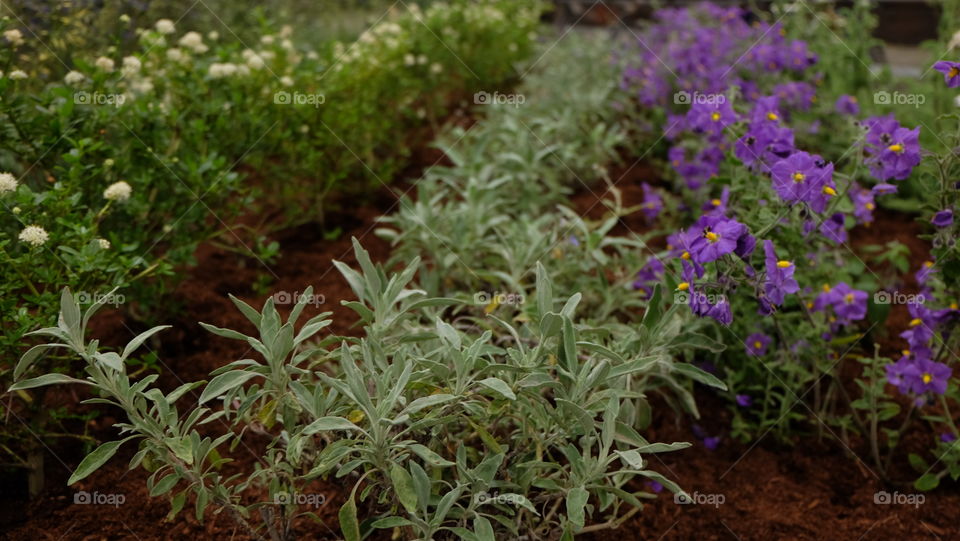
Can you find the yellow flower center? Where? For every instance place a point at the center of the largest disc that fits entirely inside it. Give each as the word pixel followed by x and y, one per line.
pixel 954 71
pixel 711 236
pixel 757 344
pixel 848 298
pixel 896 147
pixel 915 321
pixel 809 305
pixel 715 116
pixel 870 206
pixel 772 116
pixel 798 177
pixel 716 202
pixel 683 286
pixel 685 255
pixel 906 352
pixel 954 306
pixel 826 288
pixel 784 264
pixel 928 264
pixel 829 191
pixel 927 378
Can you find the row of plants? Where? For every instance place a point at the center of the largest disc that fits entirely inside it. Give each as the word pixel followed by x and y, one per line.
pixel 781 138
pixel 115 167
pixel 503 376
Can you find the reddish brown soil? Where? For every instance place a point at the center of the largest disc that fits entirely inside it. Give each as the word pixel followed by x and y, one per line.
pixel 813 490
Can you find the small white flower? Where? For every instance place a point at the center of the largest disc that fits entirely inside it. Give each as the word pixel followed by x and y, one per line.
pixel 74 78
pixel 194 42
pixel 34 234
pixel 108 163
pixel 174 55
pixel 14 36
pixel 286 31
pixel 422 59
pixel 267 40
pixel 436 68
pixel 131 65
pixel 16 210
pixel 286 80
pixel 104 64
pixel 409 59
pixel 142 86
pixel 304 129
pixel 16 75
pixel 218 70
pixel 118 191
pixel 954 41
pixel 165 26
pixel 104 244
pixel 213 35
pixel 255 61
pixel 124 18
pixel 8 183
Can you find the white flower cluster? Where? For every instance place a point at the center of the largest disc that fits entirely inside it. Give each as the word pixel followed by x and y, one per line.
pixel 104 64
pixel 74 77
pixel 34 235
pixel 165 26
pixel 14 36
pixel 118 191
pixel 17 75
pixel 194 42
pixel 8 183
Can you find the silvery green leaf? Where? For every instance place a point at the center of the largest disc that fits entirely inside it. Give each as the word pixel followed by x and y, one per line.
pixel 576 502
pixel 499 386
pixel 224 383
pixel 330 423
pixel 97 458
pixel 46 379
pixel 403 487
pixel 140 339
pixel 426 402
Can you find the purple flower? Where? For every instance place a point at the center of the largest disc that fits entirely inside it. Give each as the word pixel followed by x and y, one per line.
pixel 847 105
pixel 717 206
pixel 757 344
pixel 950 71
pixel 848 304
pixel 717 236
pixel 779 280
pixel 654 486
pixel 863 204
pixel 948 437
pixel 764 144
pixel 652 203
pixel 711 442
pixel 924 273
pixel 925 375
pixel 712 117
pixel 573 240
pixel 893 150
pixel 883 189
pixel 833 228
pixel 942 218
pixel 803 177
pixel 744 400
pixel 650 274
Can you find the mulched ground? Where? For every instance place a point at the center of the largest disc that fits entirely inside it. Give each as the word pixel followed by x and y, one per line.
pixel 812 490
